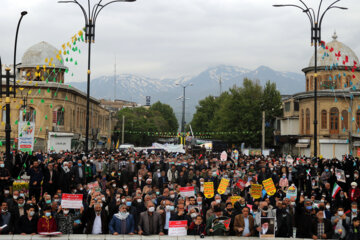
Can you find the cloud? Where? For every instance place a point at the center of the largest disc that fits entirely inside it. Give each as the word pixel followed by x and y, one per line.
pixel 171 38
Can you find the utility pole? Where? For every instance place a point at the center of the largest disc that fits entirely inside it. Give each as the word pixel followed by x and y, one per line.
pixel 263 131
pixel 115 80
pixel 123 130
pixel 183 112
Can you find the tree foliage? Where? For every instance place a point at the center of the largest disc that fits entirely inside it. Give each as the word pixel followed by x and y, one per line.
pixel 158 118
pixel 240 110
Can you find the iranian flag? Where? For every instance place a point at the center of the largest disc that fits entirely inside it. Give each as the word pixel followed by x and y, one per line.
pixel 335 190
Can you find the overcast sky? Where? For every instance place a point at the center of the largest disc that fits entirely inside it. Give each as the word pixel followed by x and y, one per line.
pixel 172 38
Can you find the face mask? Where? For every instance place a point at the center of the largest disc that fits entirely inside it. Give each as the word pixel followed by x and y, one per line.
pixel 243 205
pixel 21 205
pixel 15 197
pixel 354 210
pixel 157 193
pixel 138 200
pixel 47 214
pixel 2 165
pixel 56 200
pixel 123 213
pixel 48 201
pixel 6 191
pixel 284 177
pixel 193 215
pixel 31 213
pixel 79 164
pixel 326 170
pixel 22 195
pixel 128 204
pixel 308 207
pixel 81 189
pixel 292 203
pixel 114 185
pixel 340 213
pixel 123 200
pixel 151 209
pixel 172 196
pixel 199 203
pixel 327 207
pixel 218 201
pixel 66 212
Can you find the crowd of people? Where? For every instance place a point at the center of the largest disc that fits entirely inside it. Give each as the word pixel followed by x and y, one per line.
pixel 139 193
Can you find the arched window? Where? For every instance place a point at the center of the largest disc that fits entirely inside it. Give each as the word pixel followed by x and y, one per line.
pixel 307 84
pixel 28 114
pixel 58 116
pixel 302 121
pixel 334 121
pixel 307 121
pixel 348 80
pixel 344 120
pixel 311 83
pixel 323 119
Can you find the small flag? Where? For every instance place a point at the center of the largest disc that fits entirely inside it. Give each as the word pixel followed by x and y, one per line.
pixel 335 190
pixel 117 144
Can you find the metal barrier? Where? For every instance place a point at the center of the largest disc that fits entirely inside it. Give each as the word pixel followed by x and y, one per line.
pixel 124 237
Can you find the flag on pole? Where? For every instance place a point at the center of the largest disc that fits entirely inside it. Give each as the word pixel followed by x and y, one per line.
pixel 335 190
pixel 117 144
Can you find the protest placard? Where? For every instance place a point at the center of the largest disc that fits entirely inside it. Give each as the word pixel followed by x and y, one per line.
pixel 267 228
pixel 73 201
pixel 340 175
pixel 241 184
pixel 255 190
pixel 209 189
pixel 177 228
pixel 234 199
pixel 291 192
pixel 223 156
pixel 224 183
pixel 269 186
pixel 187 191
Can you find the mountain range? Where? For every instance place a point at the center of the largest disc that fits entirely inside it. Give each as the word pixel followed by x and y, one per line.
pixel 135 88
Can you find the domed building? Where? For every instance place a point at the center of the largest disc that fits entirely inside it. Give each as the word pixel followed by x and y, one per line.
pixel 56 110
pixel 338 105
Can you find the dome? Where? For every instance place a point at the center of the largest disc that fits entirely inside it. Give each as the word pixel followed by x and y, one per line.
pixel 332 59
pixel 39 53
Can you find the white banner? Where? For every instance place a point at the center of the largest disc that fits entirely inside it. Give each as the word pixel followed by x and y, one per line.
pixel 26 136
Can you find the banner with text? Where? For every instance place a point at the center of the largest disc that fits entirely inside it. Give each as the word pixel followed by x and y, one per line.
pixel 209 189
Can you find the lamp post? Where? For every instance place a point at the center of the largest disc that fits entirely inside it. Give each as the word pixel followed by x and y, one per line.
pixel 9 91
pixel 316 18
pixel 90 17
pixel 183 105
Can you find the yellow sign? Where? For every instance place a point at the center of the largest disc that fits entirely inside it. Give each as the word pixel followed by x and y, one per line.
pixel 234 199
pixel 269 186
pixel 209 189
pixel 224 183
pixel 255 190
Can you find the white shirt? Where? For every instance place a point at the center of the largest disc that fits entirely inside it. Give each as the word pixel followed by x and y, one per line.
pixel 97 225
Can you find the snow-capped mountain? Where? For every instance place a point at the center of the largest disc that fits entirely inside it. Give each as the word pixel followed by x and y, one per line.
pixel 135 88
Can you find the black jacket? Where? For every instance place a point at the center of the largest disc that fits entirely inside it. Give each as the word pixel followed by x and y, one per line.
pixel 327 225
pixel 24 225
pixel 90 217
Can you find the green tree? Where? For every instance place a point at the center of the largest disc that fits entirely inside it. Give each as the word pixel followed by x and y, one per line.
pixel 167 113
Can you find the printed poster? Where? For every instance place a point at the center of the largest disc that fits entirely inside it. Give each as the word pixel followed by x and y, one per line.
pixel 177 228
pixel 291 192
pixel 26 136
pixel 209 189
pixel 267 228
pixel 255 190
pixel 241 184
pixel 340 175
pixel 224 183
pixel 223 156
pixel 269 186
pixel 234 199
pixel 72 201
pixel 187 191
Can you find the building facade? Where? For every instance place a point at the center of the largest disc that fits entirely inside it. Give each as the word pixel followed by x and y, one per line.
pixel 58 110
pixel 338 107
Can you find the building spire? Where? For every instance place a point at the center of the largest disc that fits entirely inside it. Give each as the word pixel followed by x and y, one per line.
pixel 335 36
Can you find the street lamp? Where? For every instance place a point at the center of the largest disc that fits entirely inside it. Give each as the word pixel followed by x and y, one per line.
pixel 90 20
pixel 9 92
pixel 183 104
pixel 316 18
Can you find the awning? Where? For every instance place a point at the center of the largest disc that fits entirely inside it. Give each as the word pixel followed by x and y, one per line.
pixel 356 144
pixel 333 141
pixel 302 145
pixel 304 140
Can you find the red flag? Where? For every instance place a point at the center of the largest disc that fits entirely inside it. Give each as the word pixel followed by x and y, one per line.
pixel 241 184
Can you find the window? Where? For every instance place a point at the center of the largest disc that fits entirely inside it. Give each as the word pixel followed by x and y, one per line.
pixel 307 121
pixel 357 119
pixel 323 119
pixel 334 121
pixel 302 121
pixel 311 83
pixel 344 120
pixel 287 106
pixel 296 106
pixel 28 115
pixel 348 80
pixel 58 116
pixel 3 114
pixel 307 84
